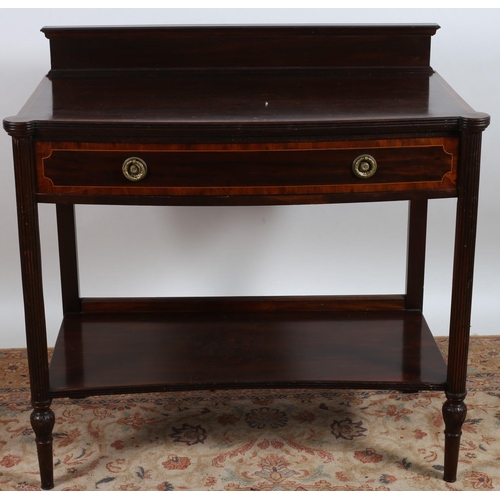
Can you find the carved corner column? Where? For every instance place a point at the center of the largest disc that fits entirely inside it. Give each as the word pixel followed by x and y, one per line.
pixel 42 417
pixel 454 409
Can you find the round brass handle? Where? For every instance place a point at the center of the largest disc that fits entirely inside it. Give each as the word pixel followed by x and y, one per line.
pixel 364 166
pixel 134 169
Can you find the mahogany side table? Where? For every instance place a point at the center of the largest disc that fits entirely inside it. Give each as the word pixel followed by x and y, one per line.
pixel 244 115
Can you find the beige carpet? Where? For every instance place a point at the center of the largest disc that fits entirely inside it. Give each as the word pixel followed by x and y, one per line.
pixel 255 440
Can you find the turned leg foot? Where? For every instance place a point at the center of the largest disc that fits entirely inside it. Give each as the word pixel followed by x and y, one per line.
pixel 454 412
pixel 42 421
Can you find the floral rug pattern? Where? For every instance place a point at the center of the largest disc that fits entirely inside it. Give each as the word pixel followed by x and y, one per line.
pixel 263 440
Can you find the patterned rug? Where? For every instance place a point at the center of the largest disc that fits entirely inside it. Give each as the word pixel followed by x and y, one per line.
pixel 267 440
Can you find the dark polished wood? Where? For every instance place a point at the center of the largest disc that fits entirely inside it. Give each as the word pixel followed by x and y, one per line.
pixel 179 108
pixel 242 349
pixel 415 270
pixel 248 169
pixel 230 47
pixel 244 115
pixel 68 258
pixel 454 409
pixel 42 417
pixel 248 304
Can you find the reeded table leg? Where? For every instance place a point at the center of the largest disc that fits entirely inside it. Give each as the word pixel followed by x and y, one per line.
pixel 454 409
pixel 42 418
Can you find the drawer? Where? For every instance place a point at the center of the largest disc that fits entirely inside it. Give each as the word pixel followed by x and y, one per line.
pixel 247 169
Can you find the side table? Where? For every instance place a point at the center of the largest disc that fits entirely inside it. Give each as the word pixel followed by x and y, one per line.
pixel 244 115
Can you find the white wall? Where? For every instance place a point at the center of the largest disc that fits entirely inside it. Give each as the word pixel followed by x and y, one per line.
pixel 256 250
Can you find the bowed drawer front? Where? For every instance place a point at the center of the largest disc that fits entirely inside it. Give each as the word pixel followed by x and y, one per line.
pixel 240 169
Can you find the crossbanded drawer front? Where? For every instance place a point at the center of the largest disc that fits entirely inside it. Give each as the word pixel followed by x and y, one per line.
pixel 240 169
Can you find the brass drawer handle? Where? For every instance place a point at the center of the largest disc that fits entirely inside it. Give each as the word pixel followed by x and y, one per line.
pixel 364 166
pixel 134 169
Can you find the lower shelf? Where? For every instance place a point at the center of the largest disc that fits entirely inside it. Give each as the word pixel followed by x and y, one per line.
pixel 128 352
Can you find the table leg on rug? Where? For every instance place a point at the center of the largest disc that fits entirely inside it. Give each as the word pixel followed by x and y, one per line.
pixel 454 412
pixel 42 421
pixel 454 409
pixel 42 418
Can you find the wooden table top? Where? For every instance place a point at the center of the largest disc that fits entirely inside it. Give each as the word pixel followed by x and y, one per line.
pixel 235 82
